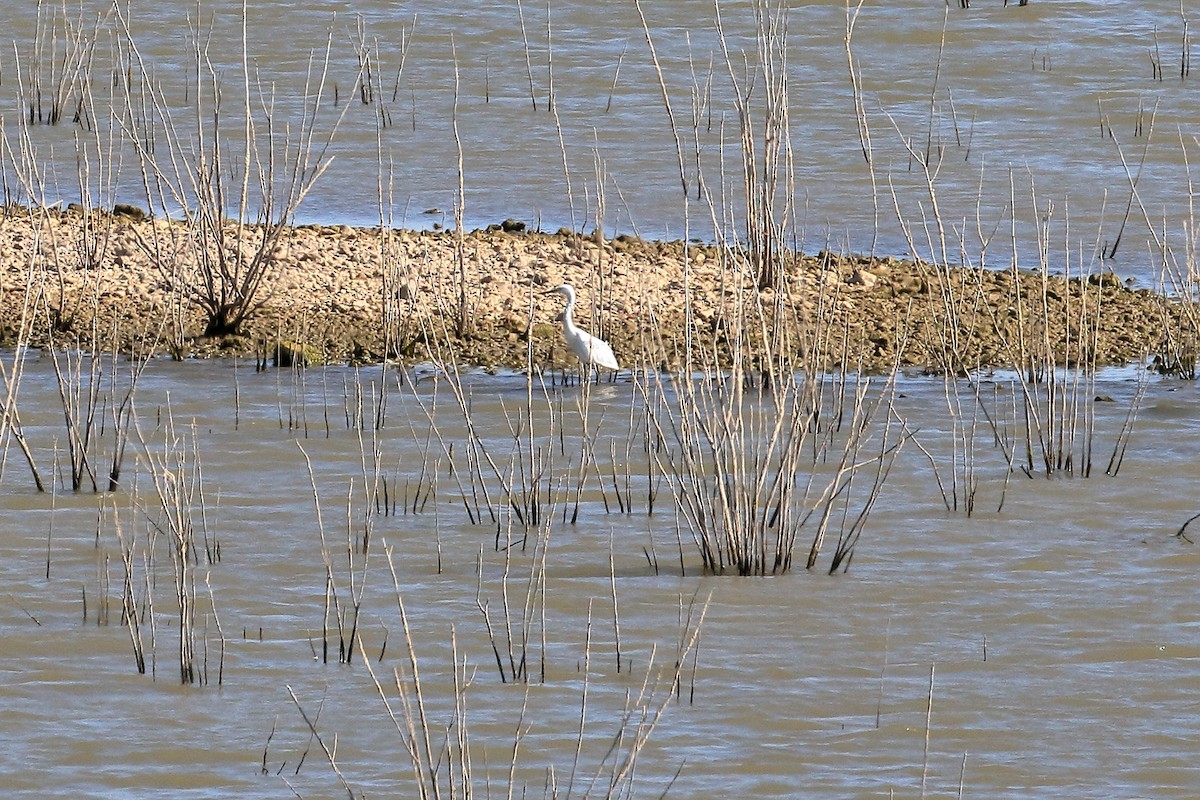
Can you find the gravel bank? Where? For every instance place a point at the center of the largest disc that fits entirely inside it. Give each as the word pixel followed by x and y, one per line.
pixel 326 287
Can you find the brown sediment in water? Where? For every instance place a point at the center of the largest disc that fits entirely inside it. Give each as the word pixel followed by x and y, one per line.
pixel 327 287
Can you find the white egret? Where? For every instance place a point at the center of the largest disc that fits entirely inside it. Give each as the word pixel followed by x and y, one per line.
pixel 592 351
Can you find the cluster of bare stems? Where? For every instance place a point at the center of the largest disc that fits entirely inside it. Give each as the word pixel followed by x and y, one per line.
pixel 520 493
pixel 223 172
pixel 168 535
pixel 217 257
pixel 96 385
pixel 1175 252
pixel 231 178
pixel 967 3
pixel 1041 328
pixel 1185 50
pixel 768 430
pixel 434 730
pixel 222 272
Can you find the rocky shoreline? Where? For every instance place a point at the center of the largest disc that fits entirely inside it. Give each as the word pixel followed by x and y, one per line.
pixel 335 289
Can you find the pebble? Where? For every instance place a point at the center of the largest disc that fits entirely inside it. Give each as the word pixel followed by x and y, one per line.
pixel 861 277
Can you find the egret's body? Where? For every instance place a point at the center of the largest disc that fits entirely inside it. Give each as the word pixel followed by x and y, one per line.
pixel 592 351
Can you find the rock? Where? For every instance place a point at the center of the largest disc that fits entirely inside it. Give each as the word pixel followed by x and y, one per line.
pixel 129 211
pixel 861 277
pixel 1105 280
pixel 295 354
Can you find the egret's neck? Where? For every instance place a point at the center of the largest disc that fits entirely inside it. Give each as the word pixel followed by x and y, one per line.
pixel 568 320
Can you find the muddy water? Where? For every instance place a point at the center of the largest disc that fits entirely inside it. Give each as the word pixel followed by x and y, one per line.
pixel 1042 113
pixel 1059 632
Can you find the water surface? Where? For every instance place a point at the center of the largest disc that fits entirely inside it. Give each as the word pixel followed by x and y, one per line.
pixel 1058 631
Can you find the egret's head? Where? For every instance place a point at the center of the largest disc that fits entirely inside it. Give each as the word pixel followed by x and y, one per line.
pixel 565 290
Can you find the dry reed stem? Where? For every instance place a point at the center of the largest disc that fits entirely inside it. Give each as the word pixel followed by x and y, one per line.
pixel 177 482
pixel 329 754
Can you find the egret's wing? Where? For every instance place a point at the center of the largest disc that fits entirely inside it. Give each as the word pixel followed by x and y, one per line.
pixel 598 352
